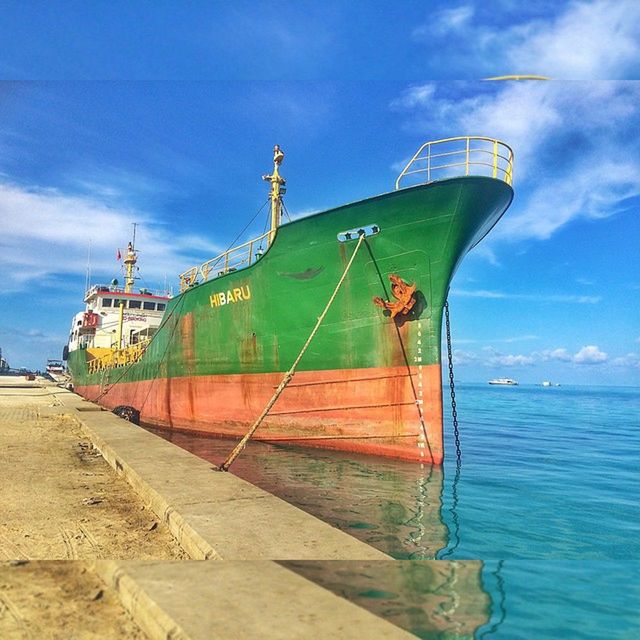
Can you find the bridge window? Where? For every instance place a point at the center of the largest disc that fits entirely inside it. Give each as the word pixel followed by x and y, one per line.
pixel 150 306
pixel 134 304
pixel 107 302
pixel 161 306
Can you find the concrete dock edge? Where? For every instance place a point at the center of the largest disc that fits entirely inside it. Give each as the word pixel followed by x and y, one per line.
pixel 212 514
pixel 198 600
pixel 247 593
pixel 146 613
pixel 188 538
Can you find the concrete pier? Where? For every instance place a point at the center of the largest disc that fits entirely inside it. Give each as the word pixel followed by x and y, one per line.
pixel 212 514
pixel 181 550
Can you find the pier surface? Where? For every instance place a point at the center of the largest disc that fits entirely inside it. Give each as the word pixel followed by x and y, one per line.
pixel 111 532
pixel 60 499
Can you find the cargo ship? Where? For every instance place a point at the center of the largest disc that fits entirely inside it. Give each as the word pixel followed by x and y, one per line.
pixel 209 359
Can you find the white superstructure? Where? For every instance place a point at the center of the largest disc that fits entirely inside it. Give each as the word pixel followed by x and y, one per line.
pixel 99 324
pixel 116 317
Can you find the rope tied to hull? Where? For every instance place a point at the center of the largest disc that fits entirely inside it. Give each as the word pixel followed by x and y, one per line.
pixel 106 388
pixel 289 375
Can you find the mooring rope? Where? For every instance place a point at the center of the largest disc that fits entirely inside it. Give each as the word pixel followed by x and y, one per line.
pixel 106 370
pixel 289 375
pixel 166 350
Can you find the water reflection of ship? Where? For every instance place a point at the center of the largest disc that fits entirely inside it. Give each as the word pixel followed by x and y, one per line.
pixel 453 529
pixel 395 507
pixel 392 506
pixel 430 598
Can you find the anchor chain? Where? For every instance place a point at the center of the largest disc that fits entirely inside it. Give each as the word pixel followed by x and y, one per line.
pixel 454 411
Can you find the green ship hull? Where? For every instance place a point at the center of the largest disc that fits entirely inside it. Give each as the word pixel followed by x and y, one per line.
pixel 369 382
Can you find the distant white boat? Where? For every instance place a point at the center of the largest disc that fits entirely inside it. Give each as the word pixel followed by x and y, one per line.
pixel 504 381
pixel 546 383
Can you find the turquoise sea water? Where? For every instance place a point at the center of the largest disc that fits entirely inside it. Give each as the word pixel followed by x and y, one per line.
pixel 545 500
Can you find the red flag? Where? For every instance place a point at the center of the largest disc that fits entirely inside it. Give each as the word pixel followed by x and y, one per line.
pixel 118 255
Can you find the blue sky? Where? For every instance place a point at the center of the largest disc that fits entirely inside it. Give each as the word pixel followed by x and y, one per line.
pixel 165 114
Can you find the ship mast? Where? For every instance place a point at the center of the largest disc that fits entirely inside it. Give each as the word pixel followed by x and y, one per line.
pixel 130 262
pixel 129 280
pixel 277 191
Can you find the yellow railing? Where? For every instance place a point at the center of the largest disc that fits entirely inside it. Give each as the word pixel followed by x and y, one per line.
pixel 232 260
pixel 461 156
pixel 118 357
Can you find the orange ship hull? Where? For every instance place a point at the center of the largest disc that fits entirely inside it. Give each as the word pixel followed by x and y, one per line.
pixel 394 412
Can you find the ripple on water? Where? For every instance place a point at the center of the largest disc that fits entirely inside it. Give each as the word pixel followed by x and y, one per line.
pixel 546 497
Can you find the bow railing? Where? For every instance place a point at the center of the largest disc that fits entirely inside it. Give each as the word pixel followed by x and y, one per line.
pixel 460 156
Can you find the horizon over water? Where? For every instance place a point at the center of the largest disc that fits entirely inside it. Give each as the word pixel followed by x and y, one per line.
pixel 545 497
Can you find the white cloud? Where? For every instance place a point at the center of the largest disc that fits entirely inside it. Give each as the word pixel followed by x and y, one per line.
pixel 529 297
pixel 486 252
pixel 416 96
pixel 521 338
pixel 445 22
pixel 590 355
pixel 507 340
pixel 47 232
pixel 20 342
pixel 630 360
pixel 581 40
pixel 478 293
pixel 591 191
pixel 577 151
pixel 521 114
pixel 597 39
pixel 461 357
pixel 556 354
pixel 491 357
pixel 587 355
pixel 30 334
pixel 510 361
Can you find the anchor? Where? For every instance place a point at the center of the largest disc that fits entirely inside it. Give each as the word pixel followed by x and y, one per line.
pixel 405 297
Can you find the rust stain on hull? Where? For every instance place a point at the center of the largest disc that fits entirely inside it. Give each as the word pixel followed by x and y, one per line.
pixel 338 409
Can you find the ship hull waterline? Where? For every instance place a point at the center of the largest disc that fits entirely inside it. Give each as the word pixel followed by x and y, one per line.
pixel 369 383
pixel 311 412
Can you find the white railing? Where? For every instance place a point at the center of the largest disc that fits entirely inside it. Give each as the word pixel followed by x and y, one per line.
pixel 461 156
pixel 110 288
pixel 234 259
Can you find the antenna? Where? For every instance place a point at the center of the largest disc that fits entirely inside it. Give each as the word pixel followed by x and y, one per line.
pixel 133 243
pixel 88 278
